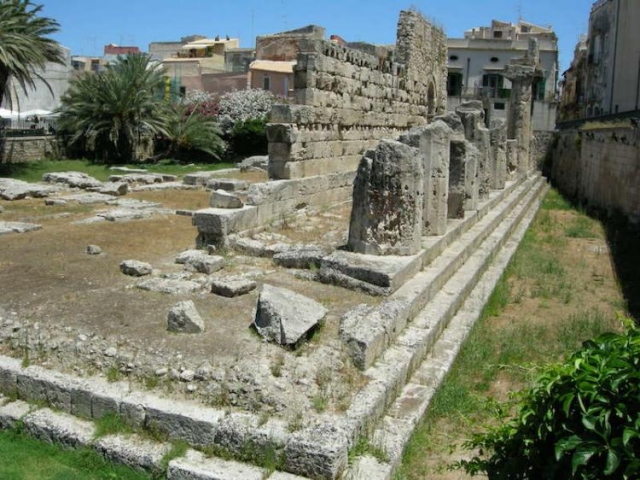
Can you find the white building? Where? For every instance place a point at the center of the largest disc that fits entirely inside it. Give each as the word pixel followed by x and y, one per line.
pixel 45 95
pixel 477 61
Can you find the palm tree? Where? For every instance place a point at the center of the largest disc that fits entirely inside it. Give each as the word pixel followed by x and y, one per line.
pixel 113 113
pixel 190 135
pixel 24 46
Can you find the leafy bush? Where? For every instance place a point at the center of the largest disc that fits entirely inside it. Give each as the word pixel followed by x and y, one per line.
pixel 249 137
pixel 190 136
pixel 581 419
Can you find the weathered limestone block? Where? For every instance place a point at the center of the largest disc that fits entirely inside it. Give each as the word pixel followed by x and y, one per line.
pixel 227 184
pixel 184 318
pixel 223 199
pixel 284 317
pixel 463 187
pixel 519 125
pixel 135 268
pixel 388 201
pixel 498 166
pixel 512 158
pixel 454 122
pixel 472 117
pixel 232 287
pixel 433 142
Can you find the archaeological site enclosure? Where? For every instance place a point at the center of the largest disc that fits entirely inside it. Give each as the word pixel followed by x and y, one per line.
pixel 272 319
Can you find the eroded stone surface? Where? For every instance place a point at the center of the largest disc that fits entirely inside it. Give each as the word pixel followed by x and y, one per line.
pixel 388 196
pixel 232 287
pixel 284 317
pixel 135 268
pixel 184 318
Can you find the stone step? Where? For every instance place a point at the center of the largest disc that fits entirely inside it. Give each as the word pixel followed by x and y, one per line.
pixel 132 450
pixel 383 275
pixel 369 331
pixel 396 426
pixel 391 372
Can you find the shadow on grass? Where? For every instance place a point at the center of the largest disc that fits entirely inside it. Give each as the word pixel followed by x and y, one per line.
pixel 624 243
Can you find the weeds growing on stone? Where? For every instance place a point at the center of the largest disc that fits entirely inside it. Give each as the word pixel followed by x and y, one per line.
pixel 112 424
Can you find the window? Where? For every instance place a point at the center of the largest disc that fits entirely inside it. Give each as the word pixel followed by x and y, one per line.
pixel 454 84
pixel 499 105
pixel 286 87
pixel 453 58
pixel 266 82
pixel 525 29
pixel 497 34
pixel 495 59
pixel 493 83
pixel 183 91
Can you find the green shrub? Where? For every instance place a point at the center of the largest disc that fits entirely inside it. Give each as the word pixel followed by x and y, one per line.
pixel 580 420
pixel 249 138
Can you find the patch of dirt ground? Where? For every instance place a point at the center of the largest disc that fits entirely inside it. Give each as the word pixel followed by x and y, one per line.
pixel 63 308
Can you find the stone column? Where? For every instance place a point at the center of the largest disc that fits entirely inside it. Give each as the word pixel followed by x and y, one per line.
pixel 433 142
pixel 519 116
pixel 472 116
pixel 388 201
pixel 498 167
pixel 463 185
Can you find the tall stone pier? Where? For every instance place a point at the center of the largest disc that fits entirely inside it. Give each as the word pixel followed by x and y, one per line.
pixel 388 201
pixel 519 126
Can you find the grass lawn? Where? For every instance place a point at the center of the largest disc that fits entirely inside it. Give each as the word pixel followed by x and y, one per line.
pixel 33 171
pixel 22 458
pixel 559 290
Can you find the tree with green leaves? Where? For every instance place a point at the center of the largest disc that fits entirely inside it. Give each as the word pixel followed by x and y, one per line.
pixel 191 135
pixel 24 44
pixel 114 113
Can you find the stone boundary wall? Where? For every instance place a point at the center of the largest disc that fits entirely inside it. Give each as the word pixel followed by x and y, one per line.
pixel 27 149
pixel 348 100
pixel 600 167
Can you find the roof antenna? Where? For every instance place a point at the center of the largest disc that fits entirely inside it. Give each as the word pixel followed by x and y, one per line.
pixel 520 11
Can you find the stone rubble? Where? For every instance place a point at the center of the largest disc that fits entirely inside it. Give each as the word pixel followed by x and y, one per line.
pixel 284 317
pixel 184 318
pixel 135 268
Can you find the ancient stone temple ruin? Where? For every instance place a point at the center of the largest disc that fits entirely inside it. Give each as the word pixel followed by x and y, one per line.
pixel 428 207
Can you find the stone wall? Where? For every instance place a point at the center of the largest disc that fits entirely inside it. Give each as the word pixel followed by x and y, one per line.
pixel 27 149
pixel 348 100
pixel 600 167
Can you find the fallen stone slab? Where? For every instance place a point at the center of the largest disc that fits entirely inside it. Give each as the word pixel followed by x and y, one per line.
pixel 94 250
pixel 197 178
pixel 184 318
pixel 258 162
pixel 284 317
pixel 189 256
pixel 72 179
pixel 223 199
pixel 227 184
pixel 124 214
pixel 115 189
pixel 169 286
pixel 300 257
pixel 389 272
pixel 17 190
pixel 162 186
pixel 232 287
pixel 55 202
pixel 135 268
pixel 133 204
pixel 88 198
pixel 17 227
pixel 206 264
pixel 256 248
pixel 140 178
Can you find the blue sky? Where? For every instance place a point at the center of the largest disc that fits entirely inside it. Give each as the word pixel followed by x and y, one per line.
pixel 87 25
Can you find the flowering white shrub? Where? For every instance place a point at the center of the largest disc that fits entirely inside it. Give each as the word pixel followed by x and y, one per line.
pixel 243 105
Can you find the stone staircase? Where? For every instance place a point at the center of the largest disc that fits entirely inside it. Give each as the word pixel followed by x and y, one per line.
pixel 405 346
